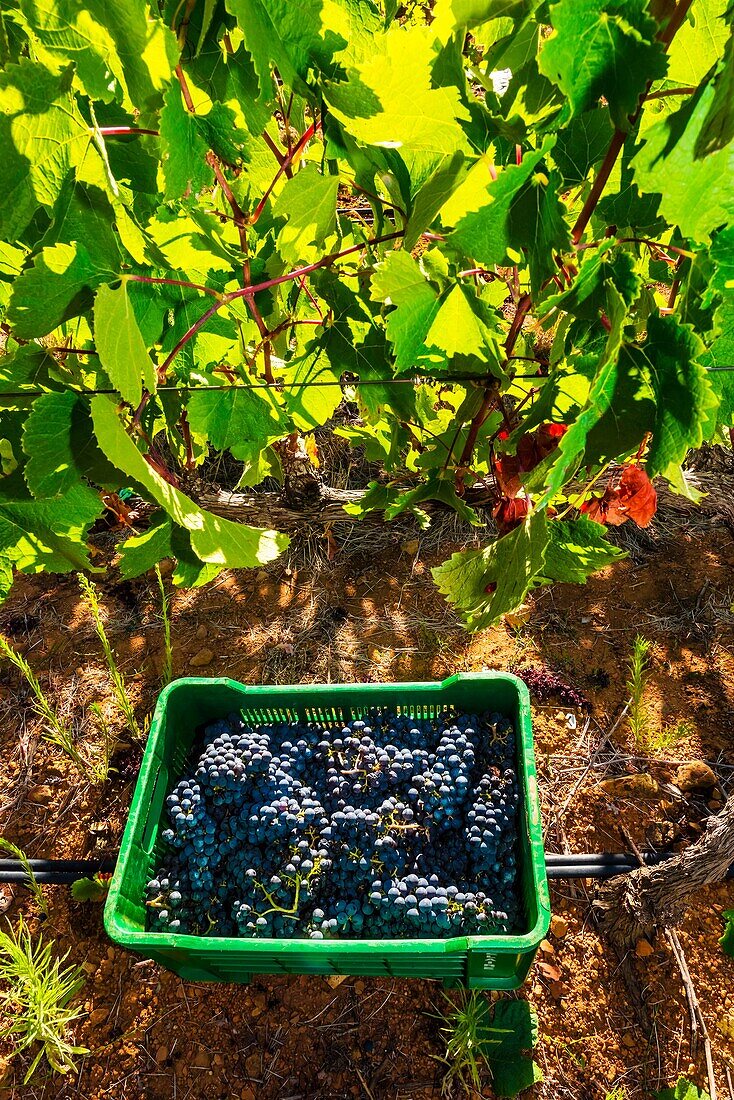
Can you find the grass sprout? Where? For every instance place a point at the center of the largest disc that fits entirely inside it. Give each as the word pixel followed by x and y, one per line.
pixel 101 765
pixel 639 668
pixel 464 1028
pixel 658 742
pixel 54 730
pixel 33 886
pixel 36 999
pixel 89 593
pixel 167 673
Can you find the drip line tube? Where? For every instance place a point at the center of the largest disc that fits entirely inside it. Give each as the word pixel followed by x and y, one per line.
pixel 577 865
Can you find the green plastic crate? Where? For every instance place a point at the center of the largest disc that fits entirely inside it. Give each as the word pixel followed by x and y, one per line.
pixel 486 962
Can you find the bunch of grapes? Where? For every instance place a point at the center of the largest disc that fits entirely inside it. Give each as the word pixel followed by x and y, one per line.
pixel 387 826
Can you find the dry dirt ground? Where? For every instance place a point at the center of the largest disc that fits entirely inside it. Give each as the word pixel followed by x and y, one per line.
pixel 151 1035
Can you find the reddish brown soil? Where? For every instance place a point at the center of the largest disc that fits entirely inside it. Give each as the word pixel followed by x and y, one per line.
pixel 151 1035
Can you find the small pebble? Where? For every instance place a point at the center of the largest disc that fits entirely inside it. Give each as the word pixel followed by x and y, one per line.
pixel 41 794
pixel 558 927
pixel 202 658
pixel 696 775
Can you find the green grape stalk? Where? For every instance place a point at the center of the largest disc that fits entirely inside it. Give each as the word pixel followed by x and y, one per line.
pixel 500 233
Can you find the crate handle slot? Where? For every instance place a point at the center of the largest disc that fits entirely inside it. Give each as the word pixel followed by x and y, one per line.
pixel 154 808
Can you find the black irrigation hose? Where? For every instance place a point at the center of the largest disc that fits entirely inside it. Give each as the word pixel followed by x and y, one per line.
pixel 55 872
pixel 591 865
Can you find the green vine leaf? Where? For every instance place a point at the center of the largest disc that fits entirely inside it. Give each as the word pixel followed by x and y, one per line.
pixel 576 549
pixel 57 286
pixel 507 1035
pixel 185 168
pixel 684 398
pixel 697 194
pixel 48 535
pixel 602 48
pixel 120 346
pixel 51 468
pixel 242 421
pixel 118 51
pixel 460 328
pixel 142 552
pixel 307 205
pixel 399 282
pixel 601 393
pixel 42 133
pixel 214 540
pixel 484 584
pixel 698 45
pixel 717 130
pixel 390 102
pixel 518 210
pixel 682 1090
pixel 281 34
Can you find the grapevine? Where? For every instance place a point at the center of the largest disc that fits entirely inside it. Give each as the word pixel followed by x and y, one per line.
pixel 500 233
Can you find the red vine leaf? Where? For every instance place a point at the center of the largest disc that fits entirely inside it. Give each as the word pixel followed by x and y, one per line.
pixel 532 448
pixel 595 508
pixel 123 516
pixel 634 498
pixel 507 472
pixel 510 512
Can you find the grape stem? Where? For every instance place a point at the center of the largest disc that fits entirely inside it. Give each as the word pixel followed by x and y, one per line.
pixel 275 908
pixel 666 36
pixel 123 131
pixel 668 92
pixel 284 164
pixel 249 292
pixel 492 396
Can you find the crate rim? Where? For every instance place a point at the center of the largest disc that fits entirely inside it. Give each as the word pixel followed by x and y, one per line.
pixel 526 941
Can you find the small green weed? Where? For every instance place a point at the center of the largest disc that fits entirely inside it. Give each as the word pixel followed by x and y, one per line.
pixel 55 731
pixel 727 940
pixel 639 668
pixel 36 1000
pixel 661 741
pixel 566 1046
pixel 101 765
pixel 648 737
pixel 32 885
pixel 683 1090
pixel 89 593
pixel 464 1027
pixel 498 1039
pixel 91 889
pixel 167 673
